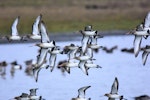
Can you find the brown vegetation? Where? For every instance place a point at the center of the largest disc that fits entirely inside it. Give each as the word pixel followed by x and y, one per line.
pixel 71 11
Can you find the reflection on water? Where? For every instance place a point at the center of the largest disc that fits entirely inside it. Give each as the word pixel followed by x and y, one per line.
pixel 29 64
pixel 59 82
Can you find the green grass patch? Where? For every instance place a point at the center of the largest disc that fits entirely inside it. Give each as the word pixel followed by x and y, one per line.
pixel 72 15
pixel 25 26
pixel 104 25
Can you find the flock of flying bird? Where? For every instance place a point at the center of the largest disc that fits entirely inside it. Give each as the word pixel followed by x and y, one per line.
pixel 142 30
pixel 31 96
pixel 81 94
pixel 78 56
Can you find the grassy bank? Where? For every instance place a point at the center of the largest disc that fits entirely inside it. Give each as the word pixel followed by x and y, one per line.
pixel 25 27
pixel 73 15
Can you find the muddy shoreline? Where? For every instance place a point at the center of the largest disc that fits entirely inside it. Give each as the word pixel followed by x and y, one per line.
pixel 67 37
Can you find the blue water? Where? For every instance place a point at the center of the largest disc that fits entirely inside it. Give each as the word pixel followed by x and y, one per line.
pixel 132 75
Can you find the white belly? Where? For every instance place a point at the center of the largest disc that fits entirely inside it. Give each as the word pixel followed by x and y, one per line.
pixel 73 48
pixel 35 97
pixel 72 64
pixel 94 46
pixel 91 65
pixel 46 45
pixel 141 33
pixel 147 50
pixel 84 58
pixel 115 96
pixel 15 38
pixel 89 33
pixel 38 37
pixel 55 52
pixel 17 67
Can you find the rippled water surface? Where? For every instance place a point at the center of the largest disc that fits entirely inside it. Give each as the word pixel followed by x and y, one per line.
pixel 132 75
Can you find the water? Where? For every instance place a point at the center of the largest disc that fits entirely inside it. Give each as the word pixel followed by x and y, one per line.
pixel 132 75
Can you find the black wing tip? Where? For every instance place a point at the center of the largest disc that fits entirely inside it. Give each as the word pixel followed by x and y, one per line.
pixel 42 22
pixel 89 86
pixel 136 54
pixel 40 15
pixel 116 79
pixel 18 17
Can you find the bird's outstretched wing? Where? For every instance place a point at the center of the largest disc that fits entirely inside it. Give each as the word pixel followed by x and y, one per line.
pixel 33 91
pixel 144 57
pixel 84 42
pixel 44 33
pixel 36 71
pixel 42 56
pixel 137 44
pixel 81 65
pixel 52 61
pixel 14 26
pixel 147 21
pixel 81 91
pixel 145 54
pixel 115 85
pixel 35 27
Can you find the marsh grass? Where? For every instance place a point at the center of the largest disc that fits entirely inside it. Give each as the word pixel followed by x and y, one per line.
pixel 73 15
pixel 71 26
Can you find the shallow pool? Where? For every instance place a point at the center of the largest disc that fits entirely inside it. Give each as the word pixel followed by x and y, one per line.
pixel 132 75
